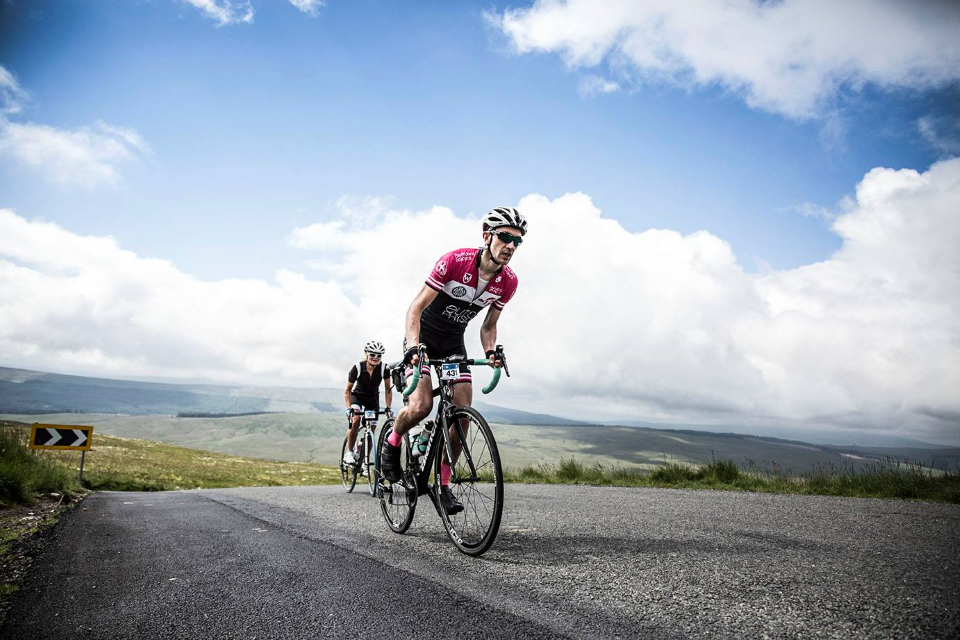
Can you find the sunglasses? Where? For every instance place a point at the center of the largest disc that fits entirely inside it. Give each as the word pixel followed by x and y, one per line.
pixel 509 237
pixel 374 355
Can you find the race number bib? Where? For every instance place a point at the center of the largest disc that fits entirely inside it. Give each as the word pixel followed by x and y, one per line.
pixel 370 415
pixel 450 371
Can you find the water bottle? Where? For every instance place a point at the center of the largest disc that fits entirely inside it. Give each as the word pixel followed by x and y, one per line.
pixel 421 442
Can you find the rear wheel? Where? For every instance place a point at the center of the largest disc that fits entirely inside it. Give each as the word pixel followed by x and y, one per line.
pixel 479 489
pixel 348 472
pixel 398 500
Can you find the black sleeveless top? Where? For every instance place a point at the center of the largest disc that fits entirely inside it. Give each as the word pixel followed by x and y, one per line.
pixel 366 384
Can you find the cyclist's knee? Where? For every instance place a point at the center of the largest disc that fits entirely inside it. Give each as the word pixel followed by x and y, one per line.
pixel 419 410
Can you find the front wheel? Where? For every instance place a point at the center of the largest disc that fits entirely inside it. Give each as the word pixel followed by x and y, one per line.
pixel 398 500
pixel 348 472
pixel 478 486
pixel 370 462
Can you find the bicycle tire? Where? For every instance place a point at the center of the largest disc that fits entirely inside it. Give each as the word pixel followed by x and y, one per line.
pixel 348 472
pixel 370 462
pixel 474 529
pixel 396 503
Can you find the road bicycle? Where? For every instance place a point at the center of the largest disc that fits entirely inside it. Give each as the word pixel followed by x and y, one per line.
pixel 477 479
pixel 365 453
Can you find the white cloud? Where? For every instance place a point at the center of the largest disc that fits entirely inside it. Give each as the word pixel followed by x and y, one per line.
pixel 83 303
pixel 593 85
pixel 12 96
pixel 225 12
pixel 310 7
pixel 811 210
pixel 790 57
pixel 652 325
pixel 943 134
pixel 87 157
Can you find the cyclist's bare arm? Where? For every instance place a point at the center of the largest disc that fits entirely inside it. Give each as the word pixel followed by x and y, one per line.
pixel 387 391
pixel 488 332
pixel 421 302
pixel 346 395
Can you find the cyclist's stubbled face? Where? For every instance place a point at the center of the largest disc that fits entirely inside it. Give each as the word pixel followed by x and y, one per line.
pixel 503 251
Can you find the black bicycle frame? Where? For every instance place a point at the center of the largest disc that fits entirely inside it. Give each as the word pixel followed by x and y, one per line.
pixel 445 410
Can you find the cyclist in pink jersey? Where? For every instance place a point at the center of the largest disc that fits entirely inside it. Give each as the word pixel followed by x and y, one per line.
pixel 462 283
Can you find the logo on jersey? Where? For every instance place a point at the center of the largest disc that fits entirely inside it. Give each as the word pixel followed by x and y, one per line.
pixel 463 256
pixel 467 277
pixel 498 278
pixel 459 292
pixel 441 268
pixel 461 316
pixel 496 290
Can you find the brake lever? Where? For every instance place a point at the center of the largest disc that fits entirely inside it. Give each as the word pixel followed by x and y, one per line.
pixel 503 359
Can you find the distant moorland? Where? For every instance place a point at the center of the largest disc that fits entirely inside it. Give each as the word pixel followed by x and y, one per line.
pixel 306 425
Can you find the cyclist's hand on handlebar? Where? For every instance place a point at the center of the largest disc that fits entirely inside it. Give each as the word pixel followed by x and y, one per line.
pixel 349 412
pixel 495 358
pixel 498 359
pixel 412 355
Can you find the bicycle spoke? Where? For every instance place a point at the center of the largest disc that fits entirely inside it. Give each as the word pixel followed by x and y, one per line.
pixel 479 487
pixel 397 505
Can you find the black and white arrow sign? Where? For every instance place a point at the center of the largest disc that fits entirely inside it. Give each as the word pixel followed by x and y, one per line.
pixel 60 436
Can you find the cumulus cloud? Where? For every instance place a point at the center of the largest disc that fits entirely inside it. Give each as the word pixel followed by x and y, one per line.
pixel 86 157
pixel 83 303
pixel 310 7
pixel 790 57
pixel 606 322
pixel 225 12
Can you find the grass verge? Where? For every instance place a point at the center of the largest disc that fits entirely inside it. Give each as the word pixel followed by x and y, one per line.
pixel 884 479
pixel 125 464
pixel 24 475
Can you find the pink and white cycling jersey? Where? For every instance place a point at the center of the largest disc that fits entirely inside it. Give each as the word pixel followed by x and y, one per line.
pixel 456 278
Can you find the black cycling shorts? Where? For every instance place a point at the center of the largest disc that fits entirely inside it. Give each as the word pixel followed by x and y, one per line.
pixel 441 346
pixel 368 403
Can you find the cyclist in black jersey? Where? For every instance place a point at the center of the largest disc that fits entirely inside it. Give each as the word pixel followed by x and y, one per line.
pixel 363 392
pixel 462 283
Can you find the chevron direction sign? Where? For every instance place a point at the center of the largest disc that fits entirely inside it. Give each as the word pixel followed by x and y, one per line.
pixel 61 436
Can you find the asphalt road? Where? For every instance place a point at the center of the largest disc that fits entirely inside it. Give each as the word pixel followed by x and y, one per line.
pixel 310 562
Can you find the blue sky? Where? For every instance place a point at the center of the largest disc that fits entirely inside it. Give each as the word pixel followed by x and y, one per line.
pixel 257 128
pixel 236 140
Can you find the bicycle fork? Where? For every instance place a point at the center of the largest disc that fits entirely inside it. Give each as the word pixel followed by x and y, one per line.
pixel 464 451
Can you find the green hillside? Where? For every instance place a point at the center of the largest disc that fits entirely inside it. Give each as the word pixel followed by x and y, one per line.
pixel 126 464
pixel 316 437
pixel 139 465
pixel 306 425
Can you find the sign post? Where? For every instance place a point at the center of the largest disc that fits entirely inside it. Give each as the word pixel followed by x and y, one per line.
pixel 62 437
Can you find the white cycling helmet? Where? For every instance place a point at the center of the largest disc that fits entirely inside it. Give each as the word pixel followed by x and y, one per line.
pixel 374 347
pixel 505 217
